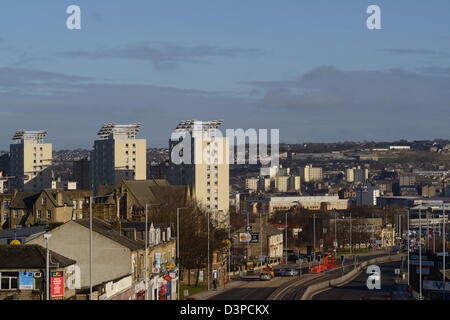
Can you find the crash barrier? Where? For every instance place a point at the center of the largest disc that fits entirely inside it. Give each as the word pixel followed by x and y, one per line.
pixel 315 288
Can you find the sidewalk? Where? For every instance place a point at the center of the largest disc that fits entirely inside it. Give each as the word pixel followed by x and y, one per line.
pixel 205 295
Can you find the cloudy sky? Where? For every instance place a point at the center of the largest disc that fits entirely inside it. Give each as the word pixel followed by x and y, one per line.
pixel 309 68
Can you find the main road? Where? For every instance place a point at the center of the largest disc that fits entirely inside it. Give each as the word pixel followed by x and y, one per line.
pixel 357 288
pixel 286 288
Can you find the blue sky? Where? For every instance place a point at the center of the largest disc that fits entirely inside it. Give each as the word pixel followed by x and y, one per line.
pixel 310 68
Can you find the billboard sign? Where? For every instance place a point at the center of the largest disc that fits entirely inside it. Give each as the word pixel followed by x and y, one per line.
pixel 15 241
pixel 26 281
pixel 157 267
pixel 255 237
pixel 57 285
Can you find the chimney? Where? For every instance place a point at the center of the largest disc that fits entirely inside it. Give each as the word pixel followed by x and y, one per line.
pixel 59 198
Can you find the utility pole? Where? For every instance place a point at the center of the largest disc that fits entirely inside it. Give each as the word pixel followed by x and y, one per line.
pixel 286 236
pixel 420 253
pixel 409 242
pixel 47 267
pixel 351 251
pixel 314 224
pixel 208 250
pixel 335 231
pixel 146 254
pixel 444 248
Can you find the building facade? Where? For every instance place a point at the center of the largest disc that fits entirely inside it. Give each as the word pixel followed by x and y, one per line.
pixel 30 161
pixel 118 155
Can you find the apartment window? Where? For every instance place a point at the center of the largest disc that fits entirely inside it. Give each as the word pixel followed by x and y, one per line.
pixel 74 204
pixel 5 205
pixel 80 204
pixel 49 214
pixel 126 146
pixel 16 214
pixel 126 152
pixel 5 217
pixel 9 280
pixel 134 145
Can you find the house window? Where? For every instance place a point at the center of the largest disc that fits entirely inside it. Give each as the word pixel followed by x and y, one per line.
pixel 8 280
pixel 39 214
pixel 49 214
pixel 74 204
pixel 16 214
pixel 5 205
pixel 44 201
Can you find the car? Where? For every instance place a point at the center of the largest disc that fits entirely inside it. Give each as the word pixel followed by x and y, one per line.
pixel 265 276
pixel 269 269
pixel 278 272
pixel 291 272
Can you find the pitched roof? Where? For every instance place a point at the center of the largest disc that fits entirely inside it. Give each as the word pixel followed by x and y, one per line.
pixel 22 232
pixel 143 190
pixel 24 200
pixel 105 229
pixel 29 256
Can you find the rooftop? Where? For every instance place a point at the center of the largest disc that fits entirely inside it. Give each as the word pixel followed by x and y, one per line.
pixel 29 256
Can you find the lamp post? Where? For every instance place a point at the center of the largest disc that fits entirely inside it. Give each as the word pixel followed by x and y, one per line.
pixel 208 249
pixel 444 249
pixel 351 233
pixel 408 245
pixel 314 235
pixel 335 231
pixel 420 254
pixel 178 248
pixel 286 235
pixel 47 277
pixel 147 205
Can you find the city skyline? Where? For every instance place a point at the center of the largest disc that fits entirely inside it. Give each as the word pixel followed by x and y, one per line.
pixel 254 65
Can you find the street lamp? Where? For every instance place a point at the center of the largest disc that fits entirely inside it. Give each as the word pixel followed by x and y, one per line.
pixel 444 249
pixel 47 287
pixel 146 243
pixel 178 247
pixel 420 253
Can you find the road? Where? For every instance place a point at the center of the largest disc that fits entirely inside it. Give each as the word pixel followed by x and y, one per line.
pixel 357 288
pixel 293 287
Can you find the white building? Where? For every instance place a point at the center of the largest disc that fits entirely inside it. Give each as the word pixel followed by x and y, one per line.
pixel 309 173
pixel 251 184
pixel 30 161
pixel 199 157
pixel 118 155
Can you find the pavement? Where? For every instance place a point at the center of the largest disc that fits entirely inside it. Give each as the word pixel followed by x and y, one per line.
pixel 206 295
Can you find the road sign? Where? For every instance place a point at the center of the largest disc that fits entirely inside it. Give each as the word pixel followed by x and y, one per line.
pixel 255 237
pixel 245 237
pixel 248 228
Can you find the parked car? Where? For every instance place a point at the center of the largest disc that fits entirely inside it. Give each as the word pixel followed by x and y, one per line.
pixel 278 272
pixel 291 272
pixel 265 276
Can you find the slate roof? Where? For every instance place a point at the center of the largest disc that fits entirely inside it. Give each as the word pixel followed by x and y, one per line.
pixel 105 229
pixel 22 232
pixel 29 257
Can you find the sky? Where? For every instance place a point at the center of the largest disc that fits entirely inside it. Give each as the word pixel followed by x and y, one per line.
pixel 311 69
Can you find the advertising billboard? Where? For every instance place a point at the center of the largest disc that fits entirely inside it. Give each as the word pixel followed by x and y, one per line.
pixel 57 285
pixel 26 281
